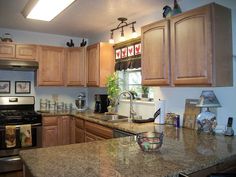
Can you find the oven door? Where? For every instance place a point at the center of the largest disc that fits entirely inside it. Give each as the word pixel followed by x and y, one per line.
pixel 9 157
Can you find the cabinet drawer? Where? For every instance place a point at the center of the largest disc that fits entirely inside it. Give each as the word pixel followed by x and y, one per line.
pixel 79 123
pixel 79 135
pixel 49 121
pixel 98 130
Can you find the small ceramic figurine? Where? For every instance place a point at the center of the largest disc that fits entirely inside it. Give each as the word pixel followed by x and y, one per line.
pixel 167 12
pixel 176 9
pixel 70 44
pixel 83 43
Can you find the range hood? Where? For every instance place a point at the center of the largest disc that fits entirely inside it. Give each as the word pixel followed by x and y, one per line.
pixel 18 65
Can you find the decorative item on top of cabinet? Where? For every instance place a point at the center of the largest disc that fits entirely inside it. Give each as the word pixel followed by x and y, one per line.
pixel 100 64
pixel 155 54
pixel 51 66
pixel 197 54
pixel 75 66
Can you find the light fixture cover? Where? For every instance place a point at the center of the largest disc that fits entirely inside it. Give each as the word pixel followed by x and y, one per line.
pixel 208 99
pixel 45 10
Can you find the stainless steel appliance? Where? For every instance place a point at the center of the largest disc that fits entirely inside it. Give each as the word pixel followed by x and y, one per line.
pixel 17 111
pixel 80 102
pixel 101 103
pixel 119 133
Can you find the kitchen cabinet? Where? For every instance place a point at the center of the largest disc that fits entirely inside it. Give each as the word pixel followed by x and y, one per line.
pixel 18 51
pixel 57 130
pixel 79 131
pixel 100 64
pixel 50 135
pixel 64 130
pixel 155 53
pixel 197 56
pixel 51 66
pixel 86 131
pixel 75 66
pixel 100 132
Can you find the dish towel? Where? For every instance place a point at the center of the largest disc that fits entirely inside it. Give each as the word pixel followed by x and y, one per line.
pixel 25 135
pixel 10 136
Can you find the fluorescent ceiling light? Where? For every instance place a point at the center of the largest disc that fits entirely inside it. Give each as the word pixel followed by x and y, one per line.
pixel 45 10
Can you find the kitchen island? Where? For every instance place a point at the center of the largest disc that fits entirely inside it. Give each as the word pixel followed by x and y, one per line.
pixel 183 151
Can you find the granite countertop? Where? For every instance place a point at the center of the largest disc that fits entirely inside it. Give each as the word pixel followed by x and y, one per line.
pixel 183 150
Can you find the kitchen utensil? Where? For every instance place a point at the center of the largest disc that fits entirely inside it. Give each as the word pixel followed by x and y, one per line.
pixel 150 141
pixel 80 102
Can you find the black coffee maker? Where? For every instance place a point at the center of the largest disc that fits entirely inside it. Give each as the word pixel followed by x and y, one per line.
pixel 101 103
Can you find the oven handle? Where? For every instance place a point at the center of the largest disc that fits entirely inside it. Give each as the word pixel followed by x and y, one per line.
pixel 10 159
pixel 32 125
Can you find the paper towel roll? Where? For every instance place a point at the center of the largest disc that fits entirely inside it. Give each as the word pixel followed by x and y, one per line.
pixel 160 104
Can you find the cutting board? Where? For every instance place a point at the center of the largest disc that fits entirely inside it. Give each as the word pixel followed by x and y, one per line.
pixel 190 114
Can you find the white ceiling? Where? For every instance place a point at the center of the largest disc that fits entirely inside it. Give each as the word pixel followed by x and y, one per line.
pixel 84 18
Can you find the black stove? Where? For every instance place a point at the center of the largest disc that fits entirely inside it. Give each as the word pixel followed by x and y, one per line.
pixel 18 111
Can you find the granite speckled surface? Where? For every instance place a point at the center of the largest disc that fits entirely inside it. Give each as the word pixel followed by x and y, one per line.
pixel 183 150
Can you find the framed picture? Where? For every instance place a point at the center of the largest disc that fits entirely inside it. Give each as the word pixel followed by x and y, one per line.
pixel 124 52
pixel 5 87
pixel 22 87
pixel 137 49
pixel 118 54
pixel 131 51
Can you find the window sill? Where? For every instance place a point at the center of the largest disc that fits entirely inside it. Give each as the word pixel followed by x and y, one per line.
pixel 138 101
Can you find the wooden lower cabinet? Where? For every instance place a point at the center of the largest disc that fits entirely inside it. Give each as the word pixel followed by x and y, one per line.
pixel 58 130
pixel 79 135
pixel 86 131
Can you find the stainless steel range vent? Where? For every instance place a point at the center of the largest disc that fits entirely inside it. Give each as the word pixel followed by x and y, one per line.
pixel 18 65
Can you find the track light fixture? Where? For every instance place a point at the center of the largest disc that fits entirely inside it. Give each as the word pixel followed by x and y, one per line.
pixel 121 26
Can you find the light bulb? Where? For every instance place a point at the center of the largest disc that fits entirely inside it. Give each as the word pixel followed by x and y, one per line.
pixel 111 41
pixel 134 35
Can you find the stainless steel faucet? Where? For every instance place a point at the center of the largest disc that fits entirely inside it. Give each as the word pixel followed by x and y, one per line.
pixel 132 113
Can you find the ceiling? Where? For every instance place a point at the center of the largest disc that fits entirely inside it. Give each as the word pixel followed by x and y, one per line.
pixel 84 18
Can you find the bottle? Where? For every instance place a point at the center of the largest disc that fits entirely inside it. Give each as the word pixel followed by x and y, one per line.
pixel 176 9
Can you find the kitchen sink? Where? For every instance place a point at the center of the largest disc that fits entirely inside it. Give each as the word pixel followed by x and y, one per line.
pixel 111 118
pixel 114 118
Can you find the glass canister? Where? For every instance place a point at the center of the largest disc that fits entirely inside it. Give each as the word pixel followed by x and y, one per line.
pixel 43 104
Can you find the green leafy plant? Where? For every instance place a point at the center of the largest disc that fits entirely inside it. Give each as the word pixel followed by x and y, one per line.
pixel 145 91
pixel 112 88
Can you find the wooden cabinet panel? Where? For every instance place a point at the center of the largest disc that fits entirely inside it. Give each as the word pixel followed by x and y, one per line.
pixel 100 64
pixel 50 121
pixel 155 54
pixel 196 57
pixel 26 52
pixel 50 136
pixel 93 65
pixel 51 66
pixel 7 50
pixel 64 130
pixel 72 130
pixel 79 123
pixel 98 130
pixel 75 67
pixel 79 135
pixel 89 137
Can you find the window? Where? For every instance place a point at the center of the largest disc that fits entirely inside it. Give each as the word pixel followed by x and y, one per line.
pixel 130 79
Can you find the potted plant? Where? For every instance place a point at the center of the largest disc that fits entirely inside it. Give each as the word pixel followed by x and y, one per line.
pixel 112 91
pixel 145 91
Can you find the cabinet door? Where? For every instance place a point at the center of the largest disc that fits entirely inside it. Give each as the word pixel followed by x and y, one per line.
pixel 72 130
pixel 79 135
pixel 155 54
pixel 64 130
pixel 50 136
pixel 26 52
pixel 75 67
pixel 7 50
pixel 98 130
pixel 51 66
pixel 93 65
pixel 191 47
pixel 91 137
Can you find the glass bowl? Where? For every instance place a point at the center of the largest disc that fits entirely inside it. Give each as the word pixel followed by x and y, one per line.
pixel 150 141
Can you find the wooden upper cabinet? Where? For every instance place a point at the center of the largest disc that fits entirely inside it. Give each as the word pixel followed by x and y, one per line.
pixel 51 66
pixel 26 52
pixel 18 51
pixel 155 53
pixel 100 63
pixel 75 66
pixel 201 47
pixel 7 50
